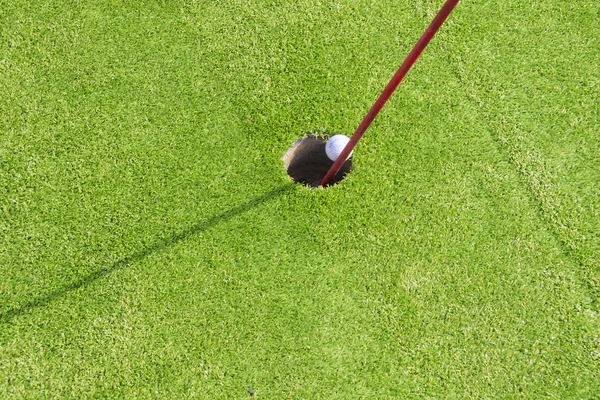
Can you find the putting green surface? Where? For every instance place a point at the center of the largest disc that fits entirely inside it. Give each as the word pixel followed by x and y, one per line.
pixel 152 245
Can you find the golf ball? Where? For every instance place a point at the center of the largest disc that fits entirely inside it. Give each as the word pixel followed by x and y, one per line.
pixel 335 145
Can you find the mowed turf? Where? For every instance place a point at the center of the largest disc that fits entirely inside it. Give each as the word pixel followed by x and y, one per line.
pixel 152 246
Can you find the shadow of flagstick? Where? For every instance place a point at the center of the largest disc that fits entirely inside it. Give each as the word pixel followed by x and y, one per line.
pixel 8 315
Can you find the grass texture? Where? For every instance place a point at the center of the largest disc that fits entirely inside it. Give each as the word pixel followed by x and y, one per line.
pixel 152 245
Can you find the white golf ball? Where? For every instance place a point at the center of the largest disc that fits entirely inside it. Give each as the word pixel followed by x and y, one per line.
pixel 335 145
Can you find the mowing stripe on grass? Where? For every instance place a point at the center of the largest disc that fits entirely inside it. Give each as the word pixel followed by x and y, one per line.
pixel 509 122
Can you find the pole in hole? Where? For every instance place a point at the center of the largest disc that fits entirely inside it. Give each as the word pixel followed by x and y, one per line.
pixel 307 161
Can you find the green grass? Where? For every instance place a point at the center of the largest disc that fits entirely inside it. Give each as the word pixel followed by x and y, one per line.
pixel 152 246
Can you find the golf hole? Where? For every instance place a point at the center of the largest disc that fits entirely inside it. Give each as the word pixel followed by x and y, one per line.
pixel 306 162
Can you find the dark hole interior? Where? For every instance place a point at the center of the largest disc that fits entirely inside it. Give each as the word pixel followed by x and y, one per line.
pixel 307 163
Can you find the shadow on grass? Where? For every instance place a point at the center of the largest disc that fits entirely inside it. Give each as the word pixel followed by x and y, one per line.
pixel 8 315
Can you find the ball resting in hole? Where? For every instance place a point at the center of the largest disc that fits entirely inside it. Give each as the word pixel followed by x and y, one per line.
pixel 307 163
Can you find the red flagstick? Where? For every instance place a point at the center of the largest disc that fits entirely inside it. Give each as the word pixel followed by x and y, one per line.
pixel 391 87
